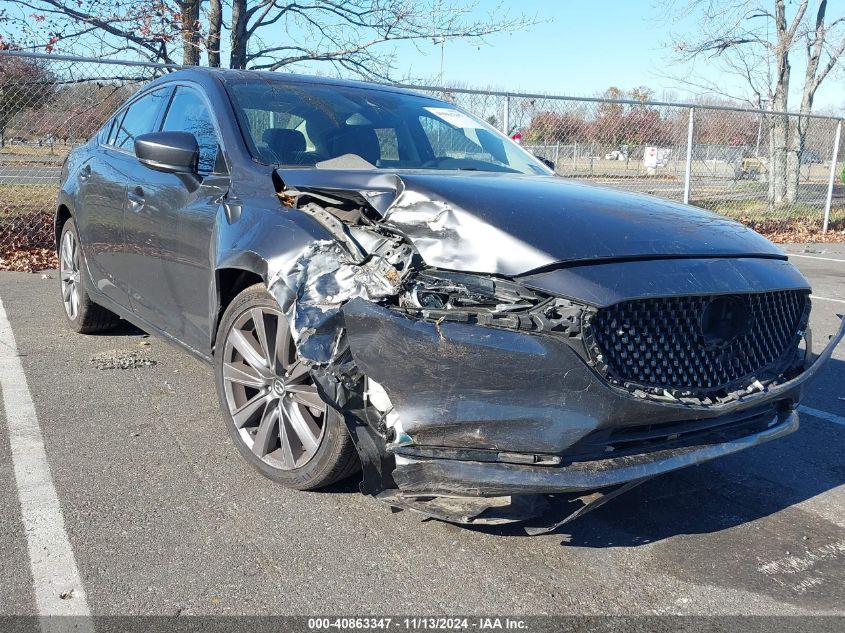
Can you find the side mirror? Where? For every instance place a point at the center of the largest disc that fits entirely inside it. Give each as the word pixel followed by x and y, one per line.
pixel 548 163
pixel 174 152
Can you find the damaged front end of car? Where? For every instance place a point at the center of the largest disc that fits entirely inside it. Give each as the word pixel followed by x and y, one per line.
pixel 477 376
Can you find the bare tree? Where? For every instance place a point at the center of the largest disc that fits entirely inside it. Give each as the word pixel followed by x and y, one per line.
pixel 150 29
pixel 822 57
pixel 353 36
pixel 215 29
pixel 756 40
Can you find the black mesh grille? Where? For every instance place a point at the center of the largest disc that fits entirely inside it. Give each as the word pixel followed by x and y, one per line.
pixel 661 342
pixel 644 438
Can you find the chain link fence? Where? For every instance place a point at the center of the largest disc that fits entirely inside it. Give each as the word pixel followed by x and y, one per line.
pixel 777 173
pixel 49 105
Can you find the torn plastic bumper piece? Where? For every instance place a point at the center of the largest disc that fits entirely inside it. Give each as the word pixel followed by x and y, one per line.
pixel 448 476
pixel 462 386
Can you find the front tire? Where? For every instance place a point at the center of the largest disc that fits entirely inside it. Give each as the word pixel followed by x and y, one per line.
pixel 270 403
pixel 82 315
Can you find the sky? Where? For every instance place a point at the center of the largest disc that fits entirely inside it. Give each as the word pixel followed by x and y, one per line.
pixel 580 48
pixel 585 48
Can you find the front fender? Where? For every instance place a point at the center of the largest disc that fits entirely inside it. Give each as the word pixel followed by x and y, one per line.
pixel 260 240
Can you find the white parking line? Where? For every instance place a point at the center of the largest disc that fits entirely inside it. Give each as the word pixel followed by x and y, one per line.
pixel 827 259
pixel 57 585
pixel 823 415
pixel 827 299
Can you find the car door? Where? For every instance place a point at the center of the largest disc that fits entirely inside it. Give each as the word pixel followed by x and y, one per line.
pixel 171 218
pixel 101 194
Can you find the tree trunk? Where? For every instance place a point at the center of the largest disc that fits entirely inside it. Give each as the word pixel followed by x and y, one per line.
pixel 190 14
pixel 793 164
pixel 778 135
pixel 815 49
pixel 779 123
pixel 779 141
pixel 239 34
pixel 215 25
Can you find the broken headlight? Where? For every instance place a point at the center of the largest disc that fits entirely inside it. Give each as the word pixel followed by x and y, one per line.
pixel 489 301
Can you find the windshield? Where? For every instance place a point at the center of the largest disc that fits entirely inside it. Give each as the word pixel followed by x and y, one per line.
pixel 305 124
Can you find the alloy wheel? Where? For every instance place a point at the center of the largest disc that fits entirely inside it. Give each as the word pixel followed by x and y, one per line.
pixel 270 394
pixel 69 274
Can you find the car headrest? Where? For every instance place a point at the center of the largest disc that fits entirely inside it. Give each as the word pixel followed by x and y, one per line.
pixel 359 140
pixel 286 144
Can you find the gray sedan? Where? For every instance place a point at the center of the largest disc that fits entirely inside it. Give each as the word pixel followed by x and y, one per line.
pixel 386 284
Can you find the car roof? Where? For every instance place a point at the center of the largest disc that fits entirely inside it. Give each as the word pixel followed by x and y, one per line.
pixel 227 75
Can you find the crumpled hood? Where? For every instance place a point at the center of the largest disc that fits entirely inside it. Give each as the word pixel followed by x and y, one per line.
pixel 512 224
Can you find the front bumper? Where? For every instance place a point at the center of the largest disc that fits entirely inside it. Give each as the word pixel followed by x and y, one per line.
pixel 455 477
pixel 461 386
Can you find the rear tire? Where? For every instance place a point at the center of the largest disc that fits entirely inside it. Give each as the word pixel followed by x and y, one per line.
pixel 270 404
pixel 82 315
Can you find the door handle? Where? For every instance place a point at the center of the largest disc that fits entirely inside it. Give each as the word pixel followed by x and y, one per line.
pixel 85 172
pixel 135 199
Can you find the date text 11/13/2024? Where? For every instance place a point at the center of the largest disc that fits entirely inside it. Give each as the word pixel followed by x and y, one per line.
pixel 417 623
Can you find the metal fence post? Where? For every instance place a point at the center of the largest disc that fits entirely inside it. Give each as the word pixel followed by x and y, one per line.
pixel 506 118
pixel 688 170
pixel 832 176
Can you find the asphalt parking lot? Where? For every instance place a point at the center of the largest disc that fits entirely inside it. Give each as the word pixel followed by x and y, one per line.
pixel 162 516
